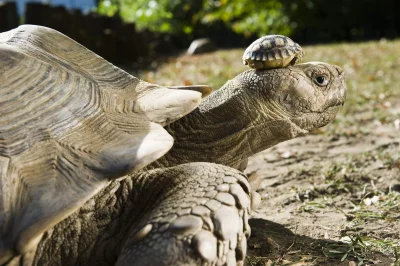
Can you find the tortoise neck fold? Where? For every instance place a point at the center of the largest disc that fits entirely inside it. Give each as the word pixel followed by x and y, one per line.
pixel 225 129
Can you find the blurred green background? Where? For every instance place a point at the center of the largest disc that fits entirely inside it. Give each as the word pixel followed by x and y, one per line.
pixel 138 30
pixel 308 20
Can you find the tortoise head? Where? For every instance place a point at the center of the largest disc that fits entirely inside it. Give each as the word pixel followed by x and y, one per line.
pixel 255 110
pixel 309 95
pixel 314 96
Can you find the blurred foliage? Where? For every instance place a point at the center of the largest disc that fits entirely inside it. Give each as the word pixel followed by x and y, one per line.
pixel 242 16
pixel 159 16
pixel 305 20
pixel 247 16
pixel 107 8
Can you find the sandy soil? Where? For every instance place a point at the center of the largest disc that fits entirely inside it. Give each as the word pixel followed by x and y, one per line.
pixel 318 189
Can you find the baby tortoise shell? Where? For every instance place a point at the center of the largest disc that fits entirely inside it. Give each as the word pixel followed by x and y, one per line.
pixel 272 51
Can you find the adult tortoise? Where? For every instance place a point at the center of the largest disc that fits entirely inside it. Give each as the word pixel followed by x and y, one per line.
pixel 75 131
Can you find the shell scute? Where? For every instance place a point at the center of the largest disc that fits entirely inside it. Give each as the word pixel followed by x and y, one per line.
pixel 67 127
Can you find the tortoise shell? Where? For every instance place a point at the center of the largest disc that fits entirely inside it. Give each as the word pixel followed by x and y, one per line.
pixel 272 51
pixel 70 122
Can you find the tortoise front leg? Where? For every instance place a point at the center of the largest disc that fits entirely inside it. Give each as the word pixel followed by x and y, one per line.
pixel 200 217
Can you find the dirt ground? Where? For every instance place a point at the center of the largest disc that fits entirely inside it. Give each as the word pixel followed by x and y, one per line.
pixel 319 189
pixel 331 197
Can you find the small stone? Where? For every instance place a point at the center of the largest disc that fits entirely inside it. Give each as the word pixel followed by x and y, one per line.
pixel 188 224
pixel 213 205
pixel 205 243
pixel 226 222
pixel 225 198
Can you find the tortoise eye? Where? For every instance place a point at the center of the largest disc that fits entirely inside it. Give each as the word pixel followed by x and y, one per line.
pixel 321 80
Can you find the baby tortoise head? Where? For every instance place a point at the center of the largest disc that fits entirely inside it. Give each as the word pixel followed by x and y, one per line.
pixel 272 51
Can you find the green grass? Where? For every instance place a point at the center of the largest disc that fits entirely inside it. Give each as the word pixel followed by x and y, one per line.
pixel 361 249
pixel 386 207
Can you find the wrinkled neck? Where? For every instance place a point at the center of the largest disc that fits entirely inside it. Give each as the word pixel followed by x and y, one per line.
pixel 226 128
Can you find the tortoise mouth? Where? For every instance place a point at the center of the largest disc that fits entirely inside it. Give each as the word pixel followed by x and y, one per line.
pixel 336 105
pixel 313 120
pixel 333 109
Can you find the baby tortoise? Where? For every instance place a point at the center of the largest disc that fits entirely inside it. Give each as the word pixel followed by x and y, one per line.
pixel 272 51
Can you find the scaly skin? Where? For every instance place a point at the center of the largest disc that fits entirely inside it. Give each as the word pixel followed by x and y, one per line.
pixel 106 228
pixel 196 213
pixel 254 111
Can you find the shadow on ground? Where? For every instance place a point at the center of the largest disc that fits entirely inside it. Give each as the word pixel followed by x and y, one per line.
pixel 273 244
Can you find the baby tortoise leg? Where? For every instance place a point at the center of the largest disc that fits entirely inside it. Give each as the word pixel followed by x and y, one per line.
pixel 199 218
